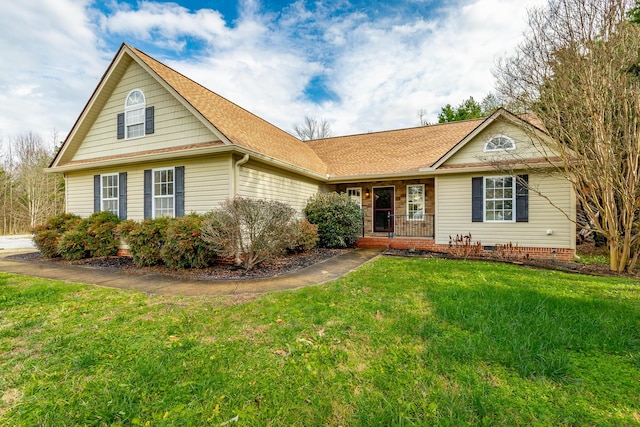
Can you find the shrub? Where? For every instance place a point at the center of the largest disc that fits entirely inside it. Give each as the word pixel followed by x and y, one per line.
pixel 47 235
pixel 248 230
pixel 184 247
pixel 305 236
pixel 145 239
pixel 94 236
pixel 339 220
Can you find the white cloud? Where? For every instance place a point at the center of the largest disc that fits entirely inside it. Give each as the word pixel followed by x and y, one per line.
pixel 382 71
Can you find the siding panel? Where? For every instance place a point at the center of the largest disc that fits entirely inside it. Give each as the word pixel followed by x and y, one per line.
pixel 174 125
pixel 453 214
pixel 207 184
pixel 260 182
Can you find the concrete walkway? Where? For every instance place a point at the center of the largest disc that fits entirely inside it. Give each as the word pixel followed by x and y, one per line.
pixel 23 241
pixel 321 272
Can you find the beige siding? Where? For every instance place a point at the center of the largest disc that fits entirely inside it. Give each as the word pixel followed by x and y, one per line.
pixel 260 182
pixel 473 151
pixel 174 125
pixel 453 214
pixel 207 183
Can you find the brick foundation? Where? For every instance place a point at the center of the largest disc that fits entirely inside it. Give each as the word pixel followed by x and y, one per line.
pixel 524 252
pixel 123 252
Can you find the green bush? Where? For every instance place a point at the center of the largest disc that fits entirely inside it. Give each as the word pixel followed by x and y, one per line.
pixel 145 239
pixel 184 247
pixel 305 236
pixel 249 231
pixel 339 220
pixel 92 237
pixel 47 235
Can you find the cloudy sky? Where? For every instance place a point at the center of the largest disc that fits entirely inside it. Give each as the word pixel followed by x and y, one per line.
pixel 363 65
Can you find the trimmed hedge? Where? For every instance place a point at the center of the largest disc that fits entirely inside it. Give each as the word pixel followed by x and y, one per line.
pixel 339 220
pixel 145 239
pixel 184 247
pixel 92 237
pixel 46 236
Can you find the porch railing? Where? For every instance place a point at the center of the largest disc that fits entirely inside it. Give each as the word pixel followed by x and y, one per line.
pixel 405 227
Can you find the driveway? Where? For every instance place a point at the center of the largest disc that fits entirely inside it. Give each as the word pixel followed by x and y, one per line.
pixel 16 242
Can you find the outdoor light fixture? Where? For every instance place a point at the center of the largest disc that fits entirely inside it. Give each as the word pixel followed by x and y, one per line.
pixel 366 193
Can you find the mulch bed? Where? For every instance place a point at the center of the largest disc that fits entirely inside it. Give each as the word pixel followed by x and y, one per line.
pixel 278 266
pixel 547 264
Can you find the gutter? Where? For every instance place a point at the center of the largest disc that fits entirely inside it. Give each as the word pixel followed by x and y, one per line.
pixel 236 174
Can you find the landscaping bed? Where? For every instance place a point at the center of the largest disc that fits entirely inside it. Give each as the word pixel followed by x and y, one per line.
pixel 221 270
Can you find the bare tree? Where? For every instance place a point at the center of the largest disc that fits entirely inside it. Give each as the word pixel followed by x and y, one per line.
pixel 578 71
pixel 313 129
pixel 422 117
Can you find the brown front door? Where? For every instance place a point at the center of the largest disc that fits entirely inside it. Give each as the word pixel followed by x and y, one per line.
pixel 383 198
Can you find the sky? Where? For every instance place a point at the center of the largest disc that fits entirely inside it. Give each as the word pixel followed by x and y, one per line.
pixel 361 65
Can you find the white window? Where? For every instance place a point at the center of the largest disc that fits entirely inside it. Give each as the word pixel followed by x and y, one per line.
pixel 355 195
pixel 109 193
pixel 500 143
pixel 499 199
pixel 134 115
pixel 415 202
pixel 163 192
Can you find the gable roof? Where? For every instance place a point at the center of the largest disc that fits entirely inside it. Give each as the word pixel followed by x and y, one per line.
pixel 388 153
pixel 395 151
pixel 232 124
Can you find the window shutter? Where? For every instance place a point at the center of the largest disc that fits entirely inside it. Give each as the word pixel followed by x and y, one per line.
pixel 121 126
pixel 122 195
pixel 96 193
pixel 147 194
pixel 179 196
pixel 477 199
pixel 148 120
pixel 522 198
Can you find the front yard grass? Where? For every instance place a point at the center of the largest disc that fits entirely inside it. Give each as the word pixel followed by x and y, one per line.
pixel 398 342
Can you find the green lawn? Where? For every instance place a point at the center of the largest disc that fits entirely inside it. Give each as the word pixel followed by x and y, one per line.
pixel 399 342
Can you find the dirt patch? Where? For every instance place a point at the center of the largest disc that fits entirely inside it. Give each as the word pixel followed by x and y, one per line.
pixel 223 270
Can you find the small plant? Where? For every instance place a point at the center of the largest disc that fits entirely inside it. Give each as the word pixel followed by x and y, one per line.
pixel 509 252
pixel 462 246
pixel 249 231
pixel 145 239
pixel 47 235
pixel 338 219
pixel 184 246
pixel 305 236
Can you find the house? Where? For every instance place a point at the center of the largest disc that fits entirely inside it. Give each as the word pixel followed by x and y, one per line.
pixel 152 142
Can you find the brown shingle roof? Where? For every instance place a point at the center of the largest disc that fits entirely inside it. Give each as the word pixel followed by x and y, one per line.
pixel 396 151
pixel 238 125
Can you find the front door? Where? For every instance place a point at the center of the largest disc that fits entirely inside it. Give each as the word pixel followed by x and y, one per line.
pixel 383 198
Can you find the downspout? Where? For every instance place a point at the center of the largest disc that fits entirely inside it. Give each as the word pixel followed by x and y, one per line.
pixel 236 174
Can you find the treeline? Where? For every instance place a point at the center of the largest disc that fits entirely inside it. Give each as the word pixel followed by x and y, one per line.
pixel 28 195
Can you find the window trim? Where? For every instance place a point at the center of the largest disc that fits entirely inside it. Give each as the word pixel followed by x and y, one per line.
pixel 128 109
pixel 513 198
pixel 360 194
pixel 154 197
pixel 486 149
pixel 422 213
pixel 116 199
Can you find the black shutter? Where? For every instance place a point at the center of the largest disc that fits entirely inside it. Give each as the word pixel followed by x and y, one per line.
pixel 477 199
pixel 179 195
pixel 147 194
pixel 148 120
pixel 121 126
pixel 96 193
pixel 522 198
pixel 122 195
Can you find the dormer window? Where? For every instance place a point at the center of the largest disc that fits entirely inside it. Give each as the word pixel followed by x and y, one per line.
pixel 500 143
pixel 137 119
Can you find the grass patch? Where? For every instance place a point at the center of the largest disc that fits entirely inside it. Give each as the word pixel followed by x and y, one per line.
pixel 399 342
